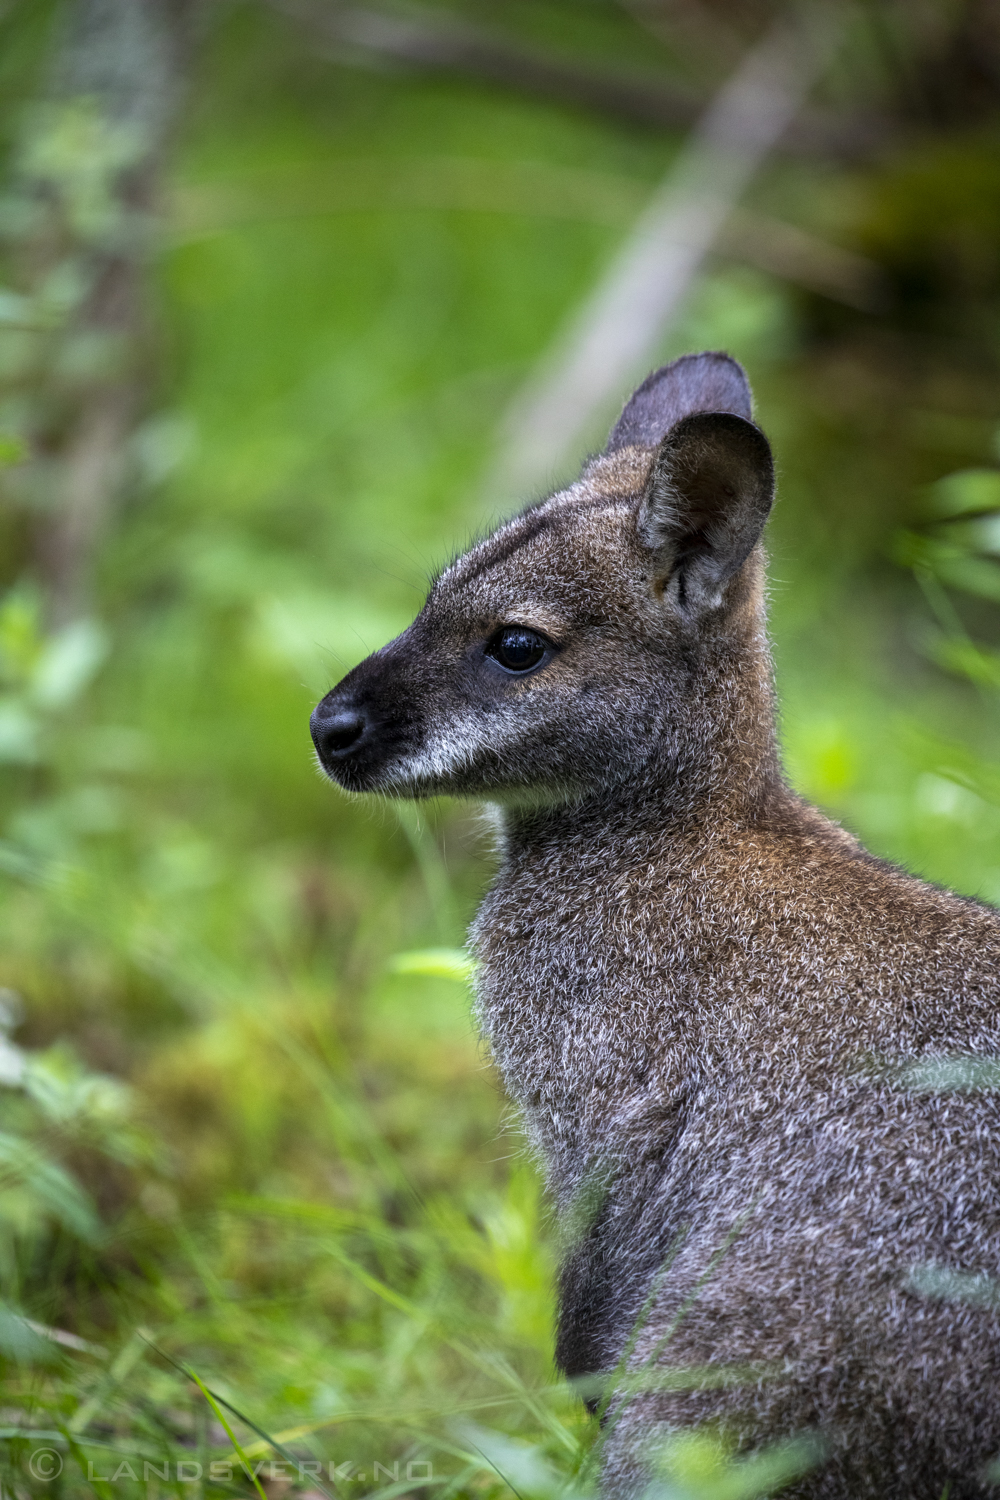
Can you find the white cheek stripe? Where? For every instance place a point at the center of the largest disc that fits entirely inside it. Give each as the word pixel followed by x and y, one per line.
pixel 447 751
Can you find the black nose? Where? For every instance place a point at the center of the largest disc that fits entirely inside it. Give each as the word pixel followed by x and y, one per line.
pixel 337 731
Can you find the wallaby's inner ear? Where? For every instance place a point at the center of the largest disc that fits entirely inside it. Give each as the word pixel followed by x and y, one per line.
pixel 705 503
pixel 695 382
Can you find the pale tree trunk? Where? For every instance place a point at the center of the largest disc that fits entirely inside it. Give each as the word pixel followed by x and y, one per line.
pixel 89 173
pixel 615 333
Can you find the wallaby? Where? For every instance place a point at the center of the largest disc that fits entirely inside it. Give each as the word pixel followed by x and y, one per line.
pixel 704 996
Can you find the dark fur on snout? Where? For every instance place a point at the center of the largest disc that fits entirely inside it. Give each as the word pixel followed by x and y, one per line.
pixel 701 993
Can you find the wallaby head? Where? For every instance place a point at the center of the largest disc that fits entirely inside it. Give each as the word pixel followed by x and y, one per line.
pixel 615 624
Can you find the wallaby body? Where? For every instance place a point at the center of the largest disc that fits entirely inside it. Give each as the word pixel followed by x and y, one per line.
pixel 699 990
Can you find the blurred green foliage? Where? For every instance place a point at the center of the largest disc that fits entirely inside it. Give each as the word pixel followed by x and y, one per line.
pixel 230 1115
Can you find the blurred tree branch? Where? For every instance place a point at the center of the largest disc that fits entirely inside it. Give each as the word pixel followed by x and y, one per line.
pixel 531 188
pixel 424 39
pixel 616 331
pixel 79 223
pixel 710 39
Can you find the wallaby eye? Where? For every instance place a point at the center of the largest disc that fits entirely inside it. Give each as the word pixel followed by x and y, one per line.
pixel 517 649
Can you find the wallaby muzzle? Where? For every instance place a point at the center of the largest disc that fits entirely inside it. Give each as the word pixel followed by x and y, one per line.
pixel 367 721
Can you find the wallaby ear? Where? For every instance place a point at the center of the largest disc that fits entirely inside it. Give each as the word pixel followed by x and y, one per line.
pixel 705 503
pixel 695 382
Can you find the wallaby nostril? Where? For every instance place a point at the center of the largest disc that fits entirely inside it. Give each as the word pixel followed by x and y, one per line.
pixel 338 734
pixel 344 731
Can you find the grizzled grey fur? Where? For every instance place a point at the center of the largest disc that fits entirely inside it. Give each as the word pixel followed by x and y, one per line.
pixel 695 986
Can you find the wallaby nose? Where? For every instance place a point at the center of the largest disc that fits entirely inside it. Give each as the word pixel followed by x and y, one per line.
pixel 336 731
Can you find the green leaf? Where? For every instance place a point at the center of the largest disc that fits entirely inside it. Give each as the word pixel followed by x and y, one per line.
pixel 20 1342
pixel 439 963
pixel 13 450
pixel 937 1075
pixel 53 1193
pixel 963 657
pixel 18 734
pixel 522 1466
pixel 972 575
pixel 697 1466
pixel 974 533
pixel 975 1288
pixel 67 663
pixel 221 1417
pixel 966 493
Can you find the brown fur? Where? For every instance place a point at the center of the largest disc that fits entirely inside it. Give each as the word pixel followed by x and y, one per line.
pixel 696 987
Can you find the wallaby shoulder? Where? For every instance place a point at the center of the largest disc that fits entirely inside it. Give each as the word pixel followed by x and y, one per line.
pixel 620 958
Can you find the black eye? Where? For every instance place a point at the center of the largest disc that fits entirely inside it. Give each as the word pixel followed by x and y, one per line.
pixel 517 649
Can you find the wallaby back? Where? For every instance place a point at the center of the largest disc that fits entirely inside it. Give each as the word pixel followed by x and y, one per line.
pixel 705 997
